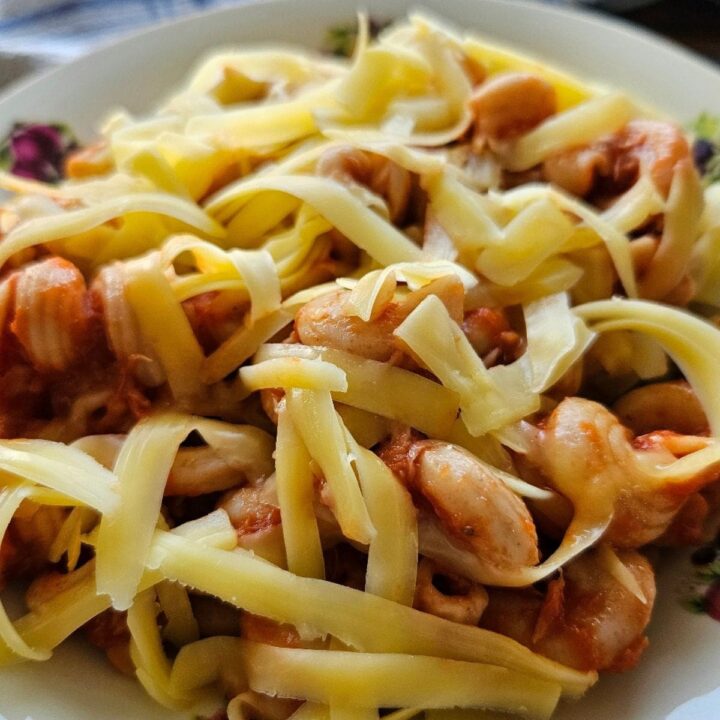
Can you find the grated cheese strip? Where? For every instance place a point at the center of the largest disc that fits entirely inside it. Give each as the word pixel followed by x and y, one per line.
pixel 125 535
pixel 60 616
pixel 295 490
pixel 393 552
pixel 338 205
pixel 382 389
pixel 579 125
pixel 392 680
pixel 59 467
pixel 10 499
pixel 489 399
pixel 43 230
pixel 293 372
pixel 319 607
pixel 692 343
pixel 241 345
pixel 181 627
pixel 321 429
pixel 152 667
pixel 164 325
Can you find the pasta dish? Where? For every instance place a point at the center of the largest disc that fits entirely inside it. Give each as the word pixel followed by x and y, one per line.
pixel 359 387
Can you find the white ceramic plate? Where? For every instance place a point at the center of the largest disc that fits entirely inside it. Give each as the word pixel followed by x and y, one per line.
pixel 683 659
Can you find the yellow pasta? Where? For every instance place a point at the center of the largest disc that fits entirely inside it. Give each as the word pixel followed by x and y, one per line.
pixel 294 372
pixel 142 468
pixel 392 555
pixel 332 388
pixel 321 429
pixel 315 606
pixel 395 680
pixel 384 390
pixel 295 497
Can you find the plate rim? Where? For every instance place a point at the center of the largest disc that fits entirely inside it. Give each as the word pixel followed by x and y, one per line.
pixel 588 16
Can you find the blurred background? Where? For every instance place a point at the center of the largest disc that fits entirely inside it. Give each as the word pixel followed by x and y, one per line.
pixel 38 33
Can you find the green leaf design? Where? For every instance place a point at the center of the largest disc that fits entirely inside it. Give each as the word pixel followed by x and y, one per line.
pixel 341 40
pixel 695 605
pixel 707 127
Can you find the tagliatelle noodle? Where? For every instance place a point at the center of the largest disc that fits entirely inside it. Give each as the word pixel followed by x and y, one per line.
pixel 489 399
pixel 555 340
pixel 270 124
pixel 64 225
pixel 366 427
pixel 69 540
pixel 295 488
pixel 577 126
pixel 258 216
pixel 241 345
pixel 337 205
pixel 293 372
pixel 207 258
pixel 252 271
pixel 321 430
pixel 257 269
pixel 632 209
pixel 680 231
pixel 552 276
pixel 374 291
pixel 122 328
pixel 181 627
pixel 389 680
pixel 382 389
pixel 498 58
pixel 10 499
pixel 318 607
pixel 616 241
pixel 64 469
pixel 705 264
pixel 142 468
pixel 533 235
pixel 152 667
pixel 250 68
pixel 164 325
pixel 61 615
pixel 463 213
pixel 692 343
pixel 393 551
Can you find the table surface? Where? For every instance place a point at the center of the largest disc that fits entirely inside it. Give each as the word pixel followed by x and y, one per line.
pixel 693 23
